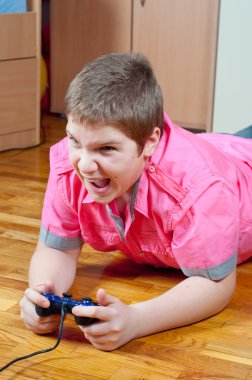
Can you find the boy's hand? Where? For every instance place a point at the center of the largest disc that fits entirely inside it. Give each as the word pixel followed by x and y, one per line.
pixel 32 297
pixel 116 326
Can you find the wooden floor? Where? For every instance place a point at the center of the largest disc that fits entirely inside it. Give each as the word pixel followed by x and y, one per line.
pixel 218 348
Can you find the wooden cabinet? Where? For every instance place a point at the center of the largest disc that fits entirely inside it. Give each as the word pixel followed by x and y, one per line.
pixel 178 36
pixel 82 30
pixel 20 78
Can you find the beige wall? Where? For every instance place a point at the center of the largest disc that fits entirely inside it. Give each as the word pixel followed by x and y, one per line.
pixel 233 91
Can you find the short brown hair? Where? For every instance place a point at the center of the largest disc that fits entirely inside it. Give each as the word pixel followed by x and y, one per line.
pixel 119 89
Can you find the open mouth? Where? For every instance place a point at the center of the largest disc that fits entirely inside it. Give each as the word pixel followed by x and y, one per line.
pixel 100 183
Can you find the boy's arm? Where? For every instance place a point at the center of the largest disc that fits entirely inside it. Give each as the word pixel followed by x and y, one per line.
pixel 51 271
pixel 190 301
pixel 57 266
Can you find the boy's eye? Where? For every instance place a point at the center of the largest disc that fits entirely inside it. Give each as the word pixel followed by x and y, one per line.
pixel 72 140
pixel 107 148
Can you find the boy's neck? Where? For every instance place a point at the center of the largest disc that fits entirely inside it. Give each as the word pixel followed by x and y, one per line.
pixel 121 204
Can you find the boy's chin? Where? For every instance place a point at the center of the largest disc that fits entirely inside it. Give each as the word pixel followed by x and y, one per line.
pixel 102 200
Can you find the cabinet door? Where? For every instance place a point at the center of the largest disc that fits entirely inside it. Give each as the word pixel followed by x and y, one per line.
pixel 18 103
pixel 82 30
pixel 179 37
pixel 19 30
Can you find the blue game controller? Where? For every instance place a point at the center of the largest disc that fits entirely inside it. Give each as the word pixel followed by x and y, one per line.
pixel 56 304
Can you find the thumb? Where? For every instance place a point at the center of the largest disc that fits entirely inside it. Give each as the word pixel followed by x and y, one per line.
pixel 105 299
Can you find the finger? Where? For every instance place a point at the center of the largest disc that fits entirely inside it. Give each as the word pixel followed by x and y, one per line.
pixel 96 329
pixel 99 312
pixel 105 343
pixel 101 339
pixel 37 324
pixel 44 328
pixel 106 299
pixel 97 345
pixel 36 298
pixel 29 312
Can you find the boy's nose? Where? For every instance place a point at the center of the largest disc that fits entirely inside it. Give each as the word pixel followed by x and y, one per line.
pixel 87 164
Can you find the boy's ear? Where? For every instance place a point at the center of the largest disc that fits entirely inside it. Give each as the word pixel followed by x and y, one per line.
pixel 152 142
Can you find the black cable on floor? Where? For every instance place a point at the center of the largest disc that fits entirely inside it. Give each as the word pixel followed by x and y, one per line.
pixel 41 351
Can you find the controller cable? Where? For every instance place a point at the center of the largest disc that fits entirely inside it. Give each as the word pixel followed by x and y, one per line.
pixel 41 351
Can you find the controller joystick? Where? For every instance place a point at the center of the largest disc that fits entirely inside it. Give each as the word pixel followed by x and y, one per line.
pixel 68 303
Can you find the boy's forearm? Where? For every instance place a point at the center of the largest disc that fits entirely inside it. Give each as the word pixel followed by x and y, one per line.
pixel 190 301
pixel 54 265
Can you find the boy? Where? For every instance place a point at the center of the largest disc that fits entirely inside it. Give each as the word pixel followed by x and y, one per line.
pixel 127 178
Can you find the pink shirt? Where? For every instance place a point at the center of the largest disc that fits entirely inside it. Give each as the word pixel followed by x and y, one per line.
pixel 191 208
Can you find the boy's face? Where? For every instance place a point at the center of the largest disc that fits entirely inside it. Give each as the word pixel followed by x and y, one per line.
pixel 106 160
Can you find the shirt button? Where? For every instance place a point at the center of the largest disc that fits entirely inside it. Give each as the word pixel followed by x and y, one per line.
pixel 151 168
pixel 168 250
pixel 141 254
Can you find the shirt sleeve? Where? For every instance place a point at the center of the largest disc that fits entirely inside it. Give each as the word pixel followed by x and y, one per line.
pixel 60 227
pixel 205 240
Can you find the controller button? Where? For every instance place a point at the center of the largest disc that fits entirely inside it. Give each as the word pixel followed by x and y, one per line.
pixel 87 299
pixel 67 295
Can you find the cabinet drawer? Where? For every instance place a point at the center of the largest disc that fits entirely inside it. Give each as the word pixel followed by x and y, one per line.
pixel 17 35
pixel 18 96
